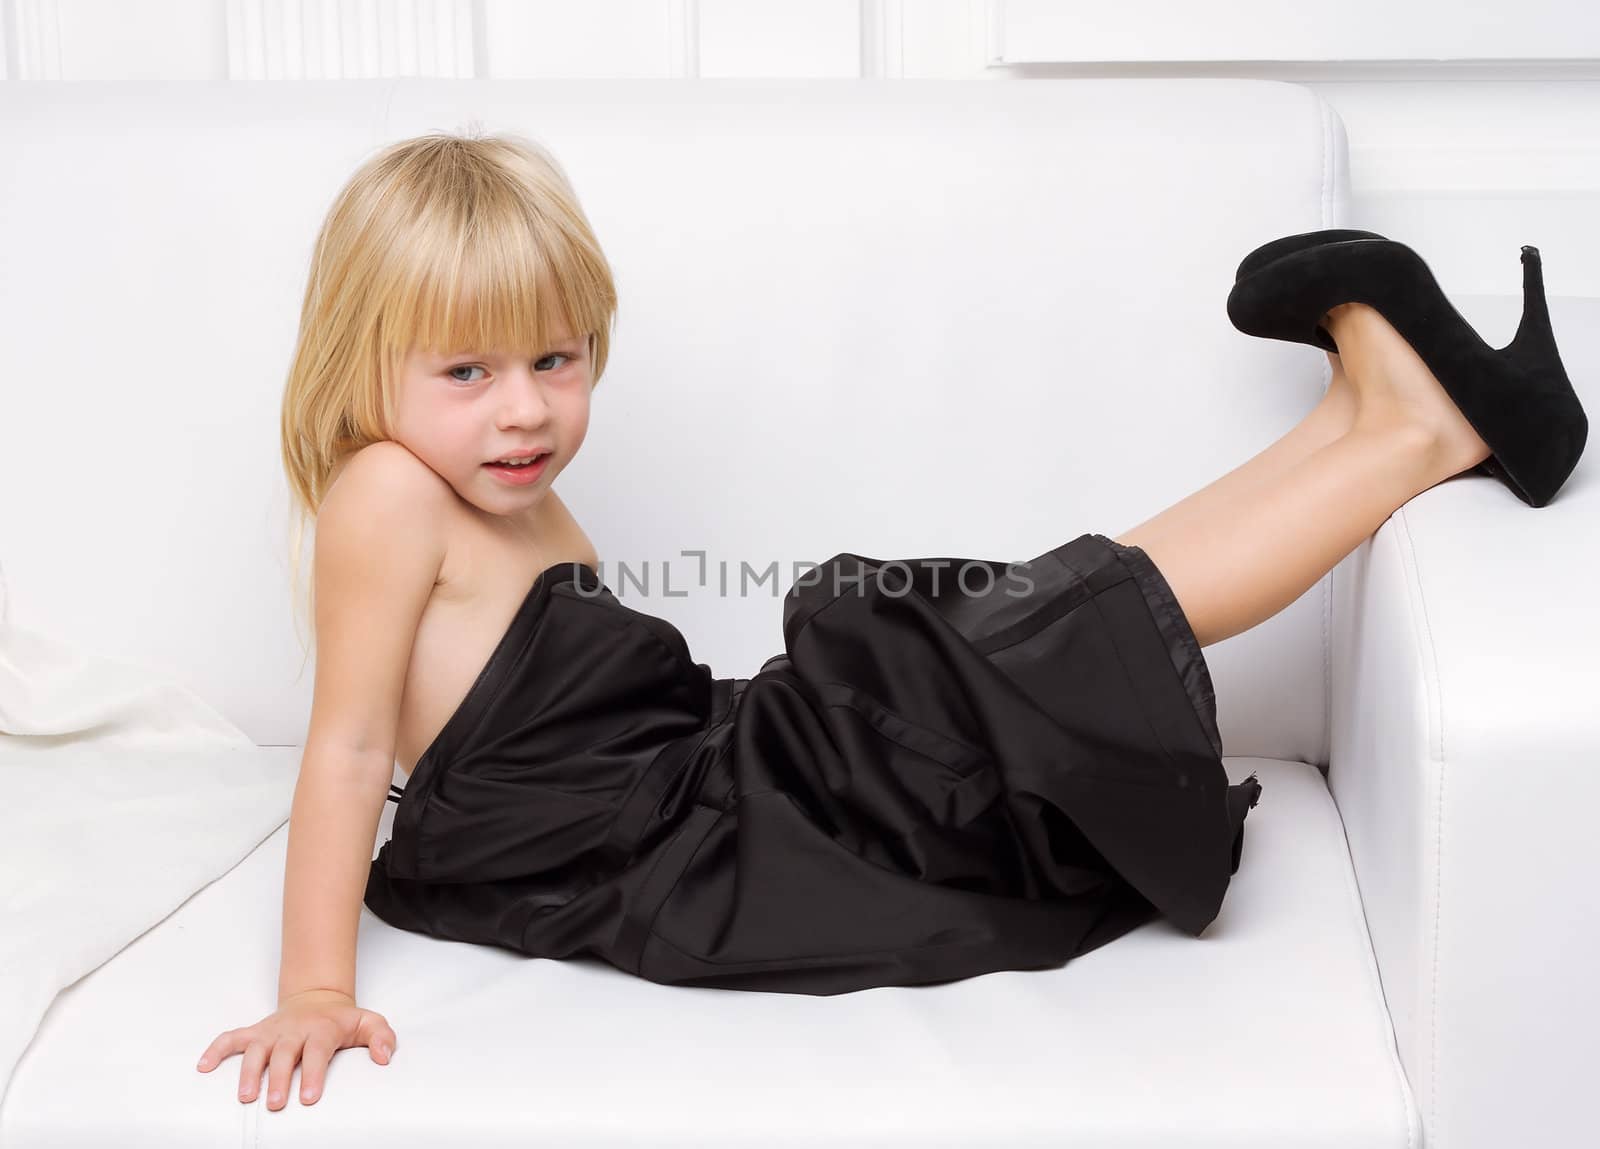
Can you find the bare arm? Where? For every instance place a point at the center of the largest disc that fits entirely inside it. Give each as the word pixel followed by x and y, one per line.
pixel 380 546
pixel 338 801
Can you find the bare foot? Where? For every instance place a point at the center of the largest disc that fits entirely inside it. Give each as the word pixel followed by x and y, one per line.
pixel 1394 386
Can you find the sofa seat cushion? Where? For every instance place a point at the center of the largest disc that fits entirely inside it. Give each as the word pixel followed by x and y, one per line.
pixel 1269 1029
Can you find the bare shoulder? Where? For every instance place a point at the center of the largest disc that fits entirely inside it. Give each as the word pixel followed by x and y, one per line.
pixel 387 506
pixel 387 469
pixel 380 546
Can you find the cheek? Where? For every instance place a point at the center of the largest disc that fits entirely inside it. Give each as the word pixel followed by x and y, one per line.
pixel 437 430
pixel 457 441
pixel 577 420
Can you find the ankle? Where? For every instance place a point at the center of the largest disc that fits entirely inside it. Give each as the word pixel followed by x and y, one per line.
pixel 1398 426
pixel 1346 321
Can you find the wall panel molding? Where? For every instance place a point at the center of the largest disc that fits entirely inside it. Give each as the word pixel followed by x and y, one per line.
pixel 595 39
pixel 994 33
pixel 351 39
pixel 683 39
pixel 1418 31
pixel 37 51
pixel 779 38
pixel 882 39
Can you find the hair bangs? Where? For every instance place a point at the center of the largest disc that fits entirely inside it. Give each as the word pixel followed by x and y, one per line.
pixel 500 278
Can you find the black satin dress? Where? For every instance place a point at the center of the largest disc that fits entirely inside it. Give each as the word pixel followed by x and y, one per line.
pixel 934 780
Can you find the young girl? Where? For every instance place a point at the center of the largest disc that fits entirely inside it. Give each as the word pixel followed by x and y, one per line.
pixel 954 766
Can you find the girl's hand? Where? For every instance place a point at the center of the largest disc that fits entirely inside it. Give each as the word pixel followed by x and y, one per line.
pixel 316 1022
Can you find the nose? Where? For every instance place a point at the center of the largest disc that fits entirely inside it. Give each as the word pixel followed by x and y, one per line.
pixel 524 402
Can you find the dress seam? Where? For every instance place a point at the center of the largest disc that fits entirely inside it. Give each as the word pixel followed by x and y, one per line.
pixel 1134 685
pixel 982 756
pixel 1151 582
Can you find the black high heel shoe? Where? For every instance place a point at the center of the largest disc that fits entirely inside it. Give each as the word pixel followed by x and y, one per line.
pixel 1518 398
pixel 1278 248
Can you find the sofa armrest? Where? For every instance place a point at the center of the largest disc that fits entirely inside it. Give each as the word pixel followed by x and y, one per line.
pixel 1465 761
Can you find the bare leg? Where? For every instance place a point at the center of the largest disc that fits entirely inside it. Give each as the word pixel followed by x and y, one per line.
pixel 1244 547
pixel 1330 419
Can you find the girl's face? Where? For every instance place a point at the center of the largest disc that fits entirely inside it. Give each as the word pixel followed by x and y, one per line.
pixel 459 412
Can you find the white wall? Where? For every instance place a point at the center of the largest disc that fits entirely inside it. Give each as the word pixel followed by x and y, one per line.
pixel 1474 125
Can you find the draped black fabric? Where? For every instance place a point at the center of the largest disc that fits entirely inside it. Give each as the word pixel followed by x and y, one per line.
pixel 955 766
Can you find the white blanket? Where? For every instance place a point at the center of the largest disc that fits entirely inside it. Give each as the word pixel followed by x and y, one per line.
pixel 121 794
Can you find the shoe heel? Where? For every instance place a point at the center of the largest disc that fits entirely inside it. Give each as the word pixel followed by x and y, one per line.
pixel 1533 354
pixel 1534 339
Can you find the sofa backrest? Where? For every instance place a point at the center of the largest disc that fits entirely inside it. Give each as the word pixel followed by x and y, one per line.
pixel 899 319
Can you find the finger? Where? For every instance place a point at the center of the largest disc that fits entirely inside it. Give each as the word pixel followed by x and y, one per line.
pixel 281 1069
pixel 255 1060
pixel 314 1068
pixel 221 1048
pixel 379 1037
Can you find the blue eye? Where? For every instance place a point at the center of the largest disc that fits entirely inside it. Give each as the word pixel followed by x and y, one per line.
pixel 476 367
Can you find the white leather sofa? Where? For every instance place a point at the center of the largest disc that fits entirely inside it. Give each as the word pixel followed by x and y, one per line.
pixel 897 318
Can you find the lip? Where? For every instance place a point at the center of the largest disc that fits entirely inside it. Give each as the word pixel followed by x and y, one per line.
pixel 520 476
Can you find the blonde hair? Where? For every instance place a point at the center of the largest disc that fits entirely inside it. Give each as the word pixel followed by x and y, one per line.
pixel 443 242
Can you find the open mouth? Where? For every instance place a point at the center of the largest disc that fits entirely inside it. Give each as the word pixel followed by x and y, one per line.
pixel 519 472
pixel 518 464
